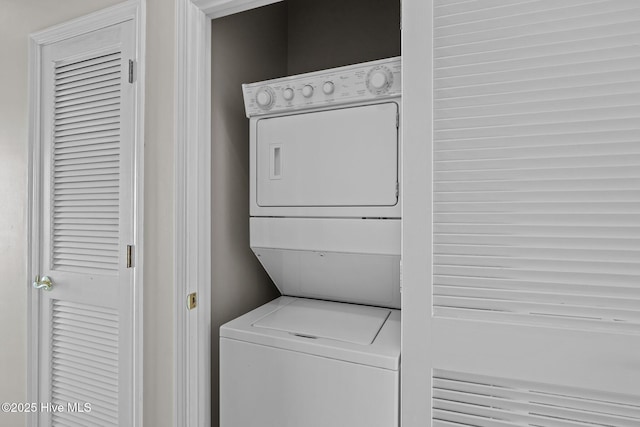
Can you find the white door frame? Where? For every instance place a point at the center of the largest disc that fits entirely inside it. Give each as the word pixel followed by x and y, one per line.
pixel 417 233
pixel 192 204
pixel 133 10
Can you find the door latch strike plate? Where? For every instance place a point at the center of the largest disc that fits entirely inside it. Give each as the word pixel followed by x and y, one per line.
pixel 129 256
pixel 131 71
pixel 191 301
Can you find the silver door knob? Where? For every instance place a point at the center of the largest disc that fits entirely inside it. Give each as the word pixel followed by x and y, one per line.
pixel 43 283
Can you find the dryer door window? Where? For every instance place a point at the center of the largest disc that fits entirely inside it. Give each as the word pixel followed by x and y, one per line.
pixel 343 157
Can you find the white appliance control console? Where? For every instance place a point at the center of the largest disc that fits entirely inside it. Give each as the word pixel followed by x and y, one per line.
pixel 344 85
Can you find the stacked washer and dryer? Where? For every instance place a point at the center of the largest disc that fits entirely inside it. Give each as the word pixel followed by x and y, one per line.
pixel 325 224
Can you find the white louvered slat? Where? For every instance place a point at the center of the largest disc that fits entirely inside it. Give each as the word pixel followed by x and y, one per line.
pixel 106 367
pixel 85 164
pixel 537 164
pixel 89 147
pixel 100 168
pixel 87 84
pixel 83 97
pixel 84 364
pixel 97 175
pixel 72 67
pixel 77 396
pixel 97 151
pixel 90 72
pixel 87 240
pixel 87 121
pixel 71 332
pixel 87 139
pixel 69 106
pixel 102 65
pixel 96 161
pixel 88 328
pixel 86 172
pixel 85 129
pixel 86 226
pixel 522 14
pixel 97 107
pixel 461 399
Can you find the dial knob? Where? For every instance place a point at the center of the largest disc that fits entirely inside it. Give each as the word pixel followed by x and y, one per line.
pixel 328 88
pixel 288 94
pixel 265 98
pixel 307 91
pixel 379 80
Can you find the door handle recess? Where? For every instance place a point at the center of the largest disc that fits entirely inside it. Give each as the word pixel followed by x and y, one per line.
pixel 275 157
pixel 45 283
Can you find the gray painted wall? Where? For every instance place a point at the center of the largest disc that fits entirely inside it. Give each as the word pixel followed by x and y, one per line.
pixel 331 33
pixel 159 217
pixel 245 48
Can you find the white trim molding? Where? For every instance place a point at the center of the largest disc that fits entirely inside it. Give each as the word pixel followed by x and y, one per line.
pixel 417 180
pixel 138 212
pixel 132 10
pixel 218 8
pixel 192 204
pixel 34 223
pixel 192 207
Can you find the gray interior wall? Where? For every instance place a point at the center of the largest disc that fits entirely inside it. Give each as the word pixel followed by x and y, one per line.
pixel 331 33
pixel 246 47
pixel 159 216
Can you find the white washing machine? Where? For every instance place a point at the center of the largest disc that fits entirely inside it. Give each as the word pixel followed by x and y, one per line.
pixel 325 223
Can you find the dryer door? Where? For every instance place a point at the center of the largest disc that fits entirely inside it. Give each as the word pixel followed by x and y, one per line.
pixel 343 157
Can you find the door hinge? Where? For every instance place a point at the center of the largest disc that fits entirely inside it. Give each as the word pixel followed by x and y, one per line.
pixel 192 301
pixel 131 71
pixel 129 256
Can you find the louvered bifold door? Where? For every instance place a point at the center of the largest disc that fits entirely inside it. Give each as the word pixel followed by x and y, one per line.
pixel 85 320
pixel 537 163
pixel 86 164
pixel 535 254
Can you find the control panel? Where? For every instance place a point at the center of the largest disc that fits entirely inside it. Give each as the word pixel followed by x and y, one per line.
pixel 344 85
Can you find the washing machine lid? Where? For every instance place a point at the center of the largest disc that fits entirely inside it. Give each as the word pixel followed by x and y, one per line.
pixel 326 329
pixel 309 318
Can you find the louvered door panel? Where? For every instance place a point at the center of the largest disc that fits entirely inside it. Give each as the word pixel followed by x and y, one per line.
pixel 85 322
pixel 537 163
pixel 86 174
pixel 521 214
pixel 461 399
pixel 85 363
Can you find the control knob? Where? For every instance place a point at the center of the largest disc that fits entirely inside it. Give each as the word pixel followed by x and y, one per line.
pixel 379 80
pixel 288 94
pixel 328 88
pixel 307 91
pixel 265 98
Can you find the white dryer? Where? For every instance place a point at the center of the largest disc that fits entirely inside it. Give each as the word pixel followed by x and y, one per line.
pixel 325 196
